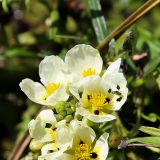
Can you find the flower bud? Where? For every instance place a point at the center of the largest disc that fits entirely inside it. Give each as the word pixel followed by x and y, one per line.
pixel 58 117
pixel 35 145
pixel 69 118
pixel 114 140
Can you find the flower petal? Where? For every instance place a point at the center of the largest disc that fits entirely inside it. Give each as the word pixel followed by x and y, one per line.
pixel 117 83
pixel 47 116
pixel 101 147
pixel 114 67
pixel 51 70
pixel 66 156
pixel 94 118
pixel 82 57
pixel 119 103
pixel 38 131
pixel 49 147
pixel 74 91
pixel 113 80
pixel 59 95
pixel 34 90
pixel 86 134
pixel 64 136
pixel 51 156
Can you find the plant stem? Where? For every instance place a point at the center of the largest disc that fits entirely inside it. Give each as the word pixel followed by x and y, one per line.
pixel 20 147
pixel 142 145
pixel 124 144
pixel 128 22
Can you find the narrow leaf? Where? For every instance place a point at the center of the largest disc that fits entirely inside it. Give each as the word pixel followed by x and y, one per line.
pixel 152 117
pixel 150 130
pixel 18 52
pixel 98 21
pixel 146 140
pixel 151 66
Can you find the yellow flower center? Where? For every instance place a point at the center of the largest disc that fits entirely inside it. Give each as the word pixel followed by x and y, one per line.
pixel 97 102
pixel 51 88
pixel 52 133
pixel 98 99
pixel 88 72
pixel 84 152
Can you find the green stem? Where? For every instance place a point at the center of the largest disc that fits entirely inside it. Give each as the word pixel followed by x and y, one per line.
pixel 124 144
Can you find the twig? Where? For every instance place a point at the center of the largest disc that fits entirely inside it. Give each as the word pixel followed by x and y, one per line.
pixel 20 147
pixel 128 22
pixel 22 144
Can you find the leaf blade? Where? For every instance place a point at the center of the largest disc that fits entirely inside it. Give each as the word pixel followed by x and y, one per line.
pixel 150 130
pixel 146 140
pixel 98 20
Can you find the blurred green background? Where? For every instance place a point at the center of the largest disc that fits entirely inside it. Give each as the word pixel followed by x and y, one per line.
pixel 31 30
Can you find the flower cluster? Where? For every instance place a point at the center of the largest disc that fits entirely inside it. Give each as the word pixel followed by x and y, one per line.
pixel 76 91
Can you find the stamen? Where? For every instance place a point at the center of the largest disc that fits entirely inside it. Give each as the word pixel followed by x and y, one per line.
pixel 52 133
pixel 88 72
pixel 82 152
pixel 107 100
pixel 98 99
pixel 89 97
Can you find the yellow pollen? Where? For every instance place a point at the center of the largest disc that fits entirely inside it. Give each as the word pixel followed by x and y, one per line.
pixel 50 88
pixel 88 72
pixel 98 99
pixel 83 152
pixel 52 133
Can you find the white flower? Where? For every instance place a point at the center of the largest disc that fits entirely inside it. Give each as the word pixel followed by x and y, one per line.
pixel 42 128
pixel 103 95
pixel 45 129
pixel 82 61
pixel 82 146
pixel 52 75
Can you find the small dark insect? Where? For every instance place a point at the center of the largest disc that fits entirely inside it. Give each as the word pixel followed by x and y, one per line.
pixel 117 93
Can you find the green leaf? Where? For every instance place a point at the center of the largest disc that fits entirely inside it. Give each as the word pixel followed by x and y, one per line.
pixel 158 81
pixel 151 66
pixel 5 5
pixel 150 130
pixel 54 23
pixel 152 117
pixel 98 21
pixel 26 38
pixel 146 38
pixel 28 3
pixel 131 63
pixel 17 52
pixel 146 140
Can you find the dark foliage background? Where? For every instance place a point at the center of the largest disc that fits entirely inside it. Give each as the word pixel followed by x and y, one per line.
pixel 30 30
